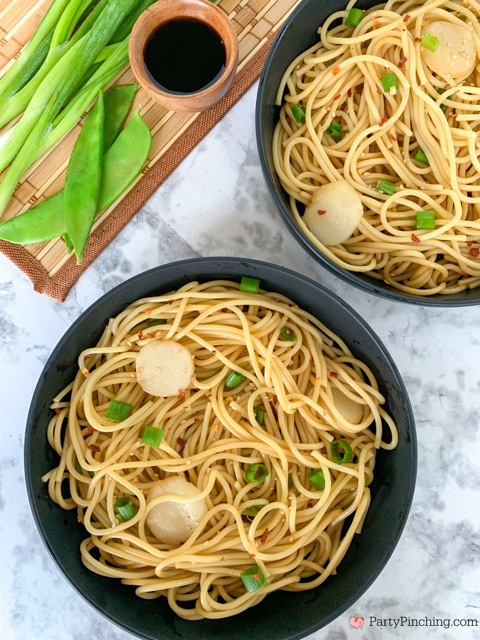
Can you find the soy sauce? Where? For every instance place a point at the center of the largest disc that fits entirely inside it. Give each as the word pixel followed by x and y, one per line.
pixel 185 56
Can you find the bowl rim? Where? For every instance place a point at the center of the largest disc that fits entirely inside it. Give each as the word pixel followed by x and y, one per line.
pixel 300 237
pixel 242 264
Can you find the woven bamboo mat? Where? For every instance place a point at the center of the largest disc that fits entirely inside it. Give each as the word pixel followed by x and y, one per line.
pixel 48 265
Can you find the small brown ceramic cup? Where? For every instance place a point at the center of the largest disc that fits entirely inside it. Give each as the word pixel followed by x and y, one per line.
pixel 165 11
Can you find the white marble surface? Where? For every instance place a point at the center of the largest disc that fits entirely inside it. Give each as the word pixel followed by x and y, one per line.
pixel 215 204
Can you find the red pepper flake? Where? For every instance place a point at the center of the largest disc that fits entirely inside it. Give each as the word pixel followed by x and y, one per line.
pixel 57 410
pixel 140 335
pixel 376 23
pixel 337 97
pixel 406 18
pixel 257 576
pixel 470 243
pixel 149 335
pixel 321 213
pixel 170 302
pixel 197 420
pixel 275 400
pixel 383 121
pixel 402 62
pixel 91 429
pixel 334 374
pixel 415 239
pixel 290 305
pixel 263 539
pixel 87 356
pixel 349 93
pixel 309 505
pixel 474 252
pixel 180 393
pixel 221 559
pixel 336 71
pixel 418 39
pixel 251 555
pixel 94 447
pixel 182 444
pixel 392 137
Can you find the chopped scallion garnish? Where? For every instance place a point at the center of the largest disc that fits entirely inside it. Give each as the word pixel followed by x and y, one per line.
pixel 426 219
pixel 298 113
pixel 317 478
pixel 355 16
pixel 430 42
pixel 118 410
pixel 387 187
pixel 421 157
pixel 443 106
pixel 152 436
pixel 259 415
pixel 287 336
pixel 234 379
pixel 290 481
pixel 81 471
pixel 125 508
pixel 251 512
pixel 334 133
pixel 153 323
pixel 249 285
pixel 257 472
pixel 336 125
pixel 389 81
pixel 338 457
pixel 253 579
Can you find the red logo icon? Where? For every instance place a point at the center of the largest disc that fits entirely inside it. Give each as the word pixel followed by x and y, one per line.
pixel 356 622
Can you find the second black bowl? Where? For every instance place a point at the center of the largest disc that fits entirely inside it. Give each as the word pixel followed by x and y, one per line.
pixel 282 615
pixel 298 34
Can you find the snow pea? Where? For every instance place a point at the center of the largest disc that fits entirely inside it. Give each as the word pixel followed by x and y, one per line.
pixel 82 184
pixel 121 165
pixel 118 102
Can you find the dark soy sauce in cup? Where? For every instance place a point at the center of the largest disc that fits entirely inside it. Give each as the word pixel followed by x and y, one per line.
pixel 185 56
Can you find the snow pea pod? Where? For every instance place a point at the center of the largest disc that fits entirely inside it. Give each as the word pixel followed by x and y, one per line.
pixel 118 102
pixel 82 184
pixel 121 165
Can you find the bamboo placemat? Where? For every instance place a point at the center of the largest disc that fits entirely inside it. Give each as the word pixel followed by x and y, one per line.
pixel 48 265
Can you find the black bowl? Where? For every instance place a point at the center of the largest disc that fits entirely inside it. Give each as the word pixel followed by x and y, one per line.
pixel 281 615
pixel 298 34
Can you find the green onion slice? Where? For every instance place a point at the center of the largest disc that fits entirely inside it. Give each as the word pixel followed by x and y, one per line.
pixel 255 469
pixel 426 219
pixel 334 133
pixel 421 157
pixel 153 323
pixel 387 187
pixel 249 514
pixel 336 125
pixel 443 106
pixel 249 285
pixel 287 336
pixel 125 508
pixel 317 478
pixel 290 481
pixel 355 16
pixel 298 113
pixel 81 471
pixel 430 42
pixel 152 436
pixel 118 410
pixel 338 457
pixel 234 379
pixel 259 415
pixel 389 81
pixel 253 579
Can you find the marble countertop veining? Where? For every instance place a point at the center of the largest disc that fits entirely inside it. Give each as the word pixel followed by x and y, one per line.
pixel 216 203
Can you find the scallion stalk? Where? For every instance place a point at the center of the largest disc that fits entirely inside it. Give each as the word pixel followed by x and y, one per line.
pixel 430 42
pixel 355 16
pixel 259 415
pixel 426 219
pixel 287 336
pixel 298 113
pixel 253 579
pixel 257 472
pixel 249 285
pixel 389 81
pixel 118 410
pixel 234 379
pixel 421 157
pixel 152 436
pixel 317 478
pixel 341 458
pixel 387 187
pixel 125 508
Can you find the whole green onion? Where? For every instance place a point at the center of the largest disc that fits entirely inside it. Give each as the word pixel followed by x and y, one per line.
pixel 389 81
pixel 118 410
pixel 430 42
pixel 387 187
pixel 249 285
pixel 287 336
pixel 259 415
pixel 252 470
pixel 152 436
pixel 125 508
pixel 234 379
pixel 253 579
pixel 421 157
pixel 426 219
pixel 337 457
pixel 249 514
pixel 298 113
pixel 154 323
pixel 355 16
pixel 317 478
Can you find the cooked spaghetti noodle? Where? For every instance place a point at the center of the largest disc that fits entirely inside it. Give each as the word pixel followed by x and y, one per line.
pixel 404 112
pixel 301 409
